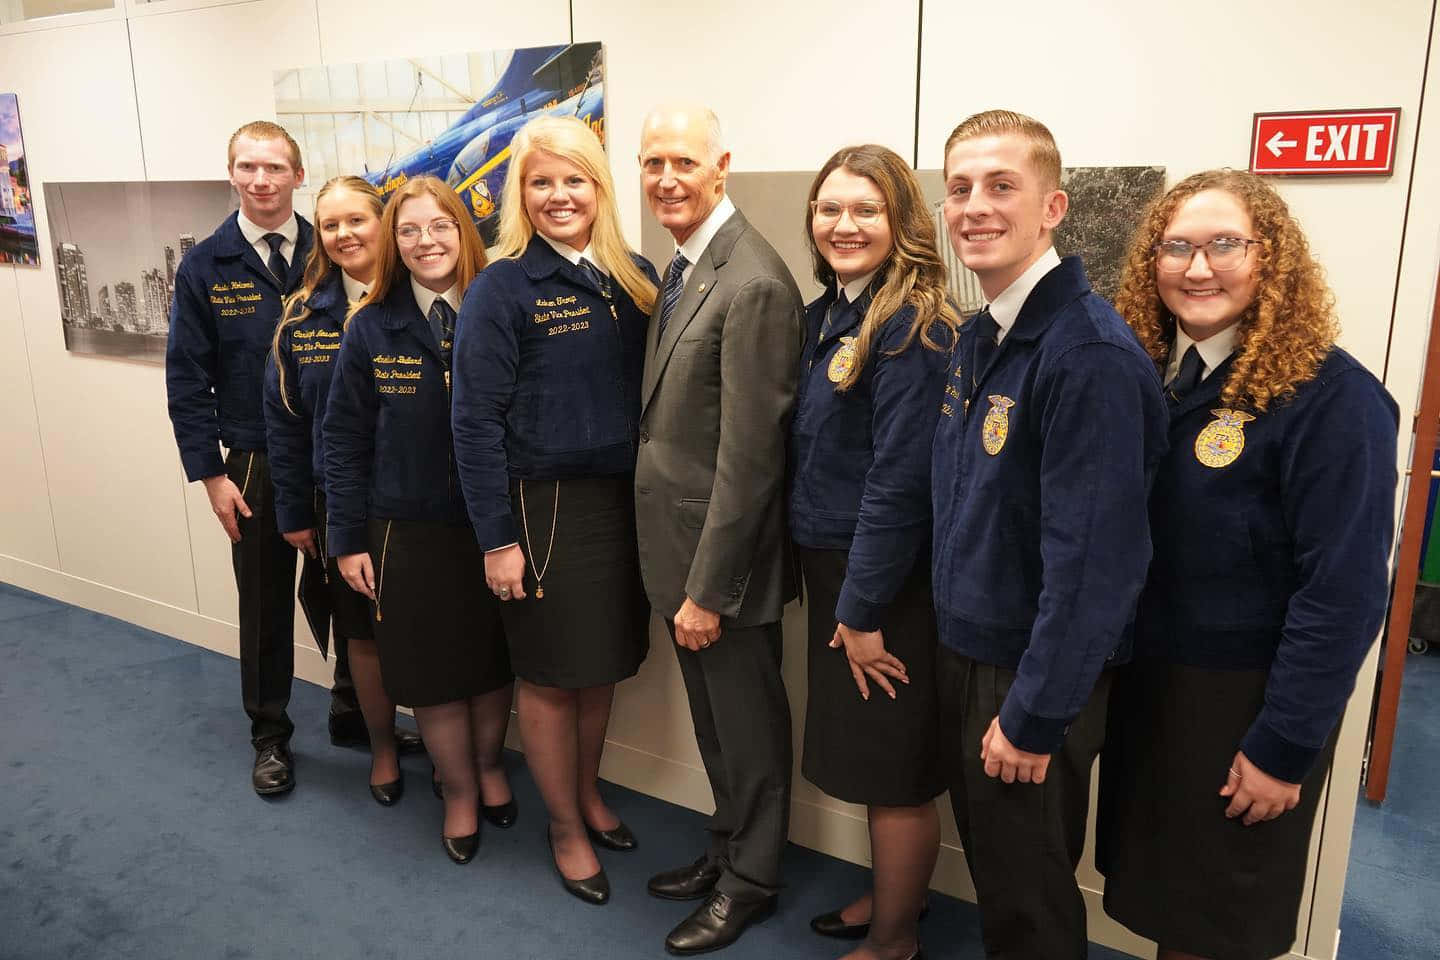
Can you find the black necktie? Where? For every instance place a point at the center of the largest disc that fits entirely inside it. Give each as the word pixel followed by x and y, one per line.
pixel 986 330
pixel 674 286
pixel 442 324
pixel 602 282
pixel 276 264
pixel 1187 379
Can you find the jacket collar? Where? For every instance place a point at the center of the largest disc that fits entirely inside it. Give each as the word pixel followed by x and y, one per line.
pixel 230 244
pixel 399 310
pixel 540 261
pixel 1207 393
pixel 330 292
pixel 1058 288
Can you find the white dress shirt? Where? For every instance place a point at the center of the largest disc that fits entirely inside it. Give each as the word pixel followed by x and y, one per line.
pixel 255 235
pixel 1213 350
pixel 354 289
pixel 425 297
pixel 1005 308
pixel 573 255
pixel 856 287
pixel 700 239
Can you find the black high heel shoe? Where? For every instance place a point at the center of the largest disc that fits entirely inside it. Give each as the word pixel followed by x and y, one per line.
pixel 618 838
pixel 461 849
pixel 389 794
pixel 593 890
pixel 502 814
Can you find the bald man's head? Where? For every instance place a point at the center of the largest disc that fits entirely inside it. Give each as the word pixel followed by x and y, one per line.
pixel 684 165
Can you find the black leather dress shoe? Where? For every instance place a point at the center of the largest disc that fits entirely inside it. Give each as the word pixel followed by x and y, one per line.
pixel 833 925
pixel 620 838
pixel 348 730
pixel 502 814
pixel 594 889
pixel 274 769
pixel 408 741
pixel 389 794
pixel 461 849
pixel 717 923
pixel 687 883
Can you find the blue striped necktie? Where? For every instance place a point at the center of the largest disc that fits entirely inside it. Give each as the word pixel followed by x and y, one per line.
pixel 442 324
pixel 674 287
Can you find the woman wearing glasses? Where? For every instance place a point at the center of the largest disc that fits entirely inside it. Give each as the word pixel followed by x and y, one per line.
pixel 872 376
pixel 397 521
pixel 547 400
pixel 1271 523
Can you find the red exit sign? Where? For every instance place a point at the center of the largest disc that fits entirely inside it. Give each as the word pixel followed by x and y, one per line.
pixel 1325 142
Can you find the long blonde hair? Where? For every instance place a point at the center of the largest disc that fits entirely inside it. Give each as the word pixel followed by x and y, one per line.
pixel 573 141
pixel 1287 330
pixel 913 274
pixel 317 270
pixel 390 269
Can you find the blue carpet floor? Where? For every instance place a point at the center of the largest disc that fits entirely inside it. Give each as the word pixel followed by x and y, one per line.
pixel 128 829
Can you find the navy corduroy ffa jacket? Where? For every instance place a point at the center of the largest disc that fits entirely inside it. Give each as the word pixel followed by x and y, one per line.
pixel 293 433
pixel 547 381
pixel 1041 463
pixel 387 425
pixel 860 460
pixel 224 315
pixel 1272 541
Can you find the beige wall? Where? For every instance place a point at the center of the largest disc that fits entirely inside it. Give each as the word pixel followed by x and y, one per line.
pixel 94 508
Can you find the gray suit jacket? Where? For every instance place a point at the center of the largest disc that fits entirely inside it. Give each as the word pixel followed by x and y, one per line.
pixel 715 410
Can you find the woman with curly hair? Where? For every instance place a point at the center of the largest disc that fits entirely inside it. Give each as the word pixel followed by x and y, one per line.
pixel 1271 517
pixel 872 376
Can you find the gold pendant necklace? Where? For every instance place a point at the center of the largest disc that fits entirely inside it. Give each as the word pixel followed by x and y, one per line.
pixel 525 524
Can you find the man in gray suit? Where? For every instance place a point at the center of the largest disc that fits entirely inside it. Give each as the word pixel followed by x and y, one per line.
pixel 722 360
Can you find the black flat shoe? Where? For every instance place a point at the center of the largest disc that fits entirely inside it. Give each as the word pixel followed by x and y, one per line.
pixel 274 771
pixel 348 729
pixel 620 838
pixel 502 815
pixel 833 925
pixel 594 890
pixel 717 923
pixel 461 849
pixel 408 741
pixel 389 794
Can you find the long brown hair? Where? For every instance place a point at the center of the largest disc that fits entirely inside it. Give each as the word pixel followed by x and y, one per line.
pixel 572 140
pixel 317 269
pixel 390 269
pixel 1287 330
pixel 913 274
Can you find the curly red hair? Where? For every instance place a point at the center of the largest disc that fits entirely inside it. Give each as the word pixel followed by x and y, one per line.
pixel 1290 326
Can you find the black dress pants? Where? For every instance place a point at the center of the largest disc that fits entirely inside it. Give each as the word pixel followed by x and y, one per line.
pixel 1022 841
pixel 742 725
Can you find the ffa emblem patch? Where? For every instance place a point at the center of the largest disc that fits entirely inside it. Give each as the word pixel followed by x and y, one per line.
pixel 1220 443
pixel 843 362
pixel 997 424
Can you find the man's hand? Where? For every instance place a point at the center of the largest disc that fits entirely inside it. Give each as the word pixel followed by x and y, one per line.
pixel 226 501
pixel 505 572
pixel 1008 762
pixel 304 541
pixel 1255 794
pixel 359 572
pixel 868 657
pixel 696 627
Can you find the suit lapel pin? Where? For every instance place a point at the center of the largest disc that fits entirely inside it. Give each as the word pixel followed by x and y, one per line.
pixel 702 288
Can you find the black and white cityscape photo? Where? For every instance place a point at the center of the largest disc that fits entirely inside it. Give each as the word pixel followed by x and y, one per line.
pixel 117 247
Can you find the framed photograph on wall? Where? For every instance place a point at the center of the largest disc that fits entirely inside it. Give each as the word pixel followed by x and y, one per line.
pixel 117 247
pixel 18 244
pixel 451 116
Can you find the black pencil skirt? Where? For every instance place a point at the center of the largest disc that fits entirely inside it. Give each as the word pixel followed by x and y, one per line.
pixel 592 626
pixel 437 627
pixel 1177 871
pixel 879 751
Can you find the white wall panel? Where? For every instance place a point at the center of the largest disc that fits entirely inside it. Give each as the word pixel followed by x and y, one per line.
pixel 355 30
pixel 27 528
pixel 199 74
pixel 763 67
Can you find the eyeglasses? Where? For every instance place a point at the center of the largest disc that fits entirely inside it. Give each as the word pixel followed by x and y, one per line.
pixel 409 234
pixel 866 213
pixel 1222 253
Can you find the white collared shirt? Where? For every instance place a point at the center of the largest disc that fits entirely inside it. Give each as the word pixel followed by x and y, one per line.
pixel 1213 350
pixel 856 287
pixel 1005 308
pixel 573 255
pixel 354 289
pixel 425 297
pixel 694 247
pixel 255 236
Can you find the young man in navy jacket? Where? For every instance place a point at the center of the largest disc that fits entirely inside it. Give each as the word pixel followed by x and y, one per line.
pixel 228 294
pixel 1050 431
